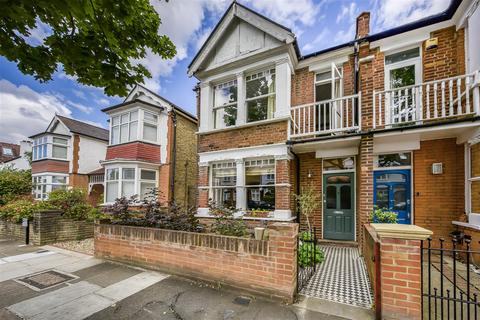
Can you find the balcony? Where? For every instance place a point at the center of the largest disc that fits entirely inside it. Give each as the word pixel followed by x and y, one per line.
pixel 450 98
pixel 335 116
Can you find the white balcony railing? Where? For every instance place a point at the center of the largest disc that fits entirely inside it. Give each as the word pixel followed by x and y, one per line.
pixel 96 179
pixel 326 117
pixel 433 100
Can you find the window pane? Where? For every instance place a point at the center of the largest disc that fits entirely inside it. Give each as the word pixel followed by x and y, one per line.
pixel 323 91
pixel 112 174
pixel 125 118
pixel 399 197
pixel 149 132
pixel 225 93
pixel 224 176
pixel 323 76
pixel 133 131
pixel 115 135
pixel 225 117
pixel 382 196
pixel 123 133
pixel 59 179
pixel 400 56
pixel 260 109
pixel 148 175
pixel 145 189
pixel 475 160
pixel 475 196
pixel 261 198
pixel 260 84
pixel 44 151
pixel 402 77
pixel 338 179
pixel 331 197
pixel 134 116
pixel 128 173
pixel 345 197
pixel 7 151
pixel 59 186
pixel 115 120
pixel 128 189
pixel 391 177
pixel 59 141
pixel 394 159
pixel 59 152
pixel 112 191
pixel 338 164
pixel 150 117
pixel 260 175
pixel 225 197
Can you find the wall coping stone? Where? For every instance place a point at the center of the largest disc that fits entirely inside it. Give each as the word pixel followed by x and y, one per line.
pixel 400 231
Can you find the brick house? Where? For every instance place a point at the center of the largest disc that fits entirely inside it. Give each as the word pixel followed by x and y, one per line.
pixel 389 119
pixel 65 153
pixel 15 156
pixel 152 143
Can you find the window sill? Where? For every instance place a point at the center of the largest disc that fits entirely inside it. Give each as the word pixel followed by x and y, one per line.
pixel 245 125
pixel 56 159
pixel 466 225
pixel 278 215
pixel 135 141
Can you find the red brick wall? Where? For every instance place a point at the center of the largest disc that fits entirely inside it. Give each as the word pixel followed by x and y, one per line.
pixel 364 181
pixel 134 151
pixel 78 180
pixel 438 199
pixel 363 24
pixel 265 267
pixel 303 87
pixel 283 195
pixel 202 182
pixel 50 166
pixel 400 279
pixel 244 137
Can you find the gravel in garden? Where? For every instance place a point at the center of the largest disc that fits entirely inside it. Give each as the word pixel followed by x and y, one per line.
pixel 83 246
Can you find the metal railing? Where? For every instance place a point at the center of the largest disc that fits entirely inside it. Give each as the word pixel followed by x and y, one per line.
pixel 449 287
pixel 439 99
pixel 306 261
pixel 97 178
pixel 326 117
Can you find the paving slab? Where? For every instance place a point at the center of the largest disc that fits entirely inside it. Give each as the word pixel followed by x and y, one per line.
pixel 106 273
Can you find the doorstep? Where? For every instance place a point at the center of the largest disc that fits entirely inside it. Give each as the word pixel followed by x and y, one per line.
pixel 338 242
pixel 334 308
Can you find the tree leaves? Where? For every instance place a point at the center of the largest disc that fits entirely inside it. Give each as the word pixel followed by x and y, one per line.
pixel 97 41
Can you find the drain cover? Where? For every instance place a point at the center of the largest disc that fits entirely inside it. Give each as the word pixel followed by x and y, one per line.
pixel 45 280
pixel 243 301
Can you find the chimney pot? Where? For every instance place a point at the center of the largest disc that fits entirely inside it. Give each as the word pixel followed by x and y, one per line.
pixel 363 25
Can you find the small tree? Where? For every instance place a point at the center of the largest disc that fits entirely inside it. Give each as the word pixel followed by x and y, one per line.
pixel 308 202
pixel 14 184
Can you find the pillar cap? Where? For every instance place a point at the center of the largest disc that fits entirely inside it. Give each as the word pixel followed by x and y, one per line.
pixel 401 231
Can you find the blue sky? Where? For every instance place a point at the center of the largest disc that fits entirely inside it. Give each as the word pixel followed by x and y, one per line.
pixel 26 106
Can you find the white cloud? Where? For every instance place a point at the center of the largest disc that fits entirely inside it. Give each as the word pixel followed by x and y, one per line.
pixel 25 112
pixel 391 13
pixel 347 12
pixel 79 94
pixel 319 39
pixel 343 36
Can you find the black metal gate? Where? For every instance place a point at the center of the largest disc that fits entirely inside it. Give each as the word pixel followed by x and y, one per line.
pixel 307 251
pixel 450 281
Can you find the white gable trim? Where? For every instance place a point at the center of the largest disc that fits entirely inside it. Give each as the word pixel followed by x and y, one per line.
pixel 248 16
pixel 151 97
pixel 52 124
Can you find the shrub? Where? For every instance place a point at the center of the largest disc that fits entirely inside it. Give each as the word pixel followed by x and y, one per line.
pixel 120 210
pixel 309 253
pixel 225 222
pixel 380 215
pixel 18 209
pixel 308 201
pixel 73 202
pixel 14 184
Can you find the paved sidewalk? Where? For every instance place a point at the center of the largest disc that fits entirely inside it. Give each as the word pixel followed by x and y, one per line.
pixel 96 289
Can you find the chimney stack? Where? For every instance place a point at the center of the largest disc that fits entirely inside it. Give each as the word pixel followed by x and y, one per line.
pixel 363 25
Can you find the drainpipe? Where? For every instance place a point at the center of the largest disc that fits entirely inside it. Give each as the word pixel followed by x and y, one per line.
pixel 297 191
pixel 174 154
pixel 356 67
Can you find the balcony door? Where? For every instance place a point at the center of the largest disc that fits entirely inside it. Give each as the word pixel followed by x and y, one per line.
pixel 402 70
pixel 328 85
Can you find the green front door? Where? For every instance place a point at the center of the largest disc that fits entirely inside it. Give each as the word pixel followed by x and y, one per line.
pixel 338 206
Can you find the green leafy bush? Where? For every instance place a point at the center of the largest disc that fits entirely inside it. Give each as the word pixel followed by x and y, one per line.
pixel 16 210
pixel 381 215
pixel 73 202
pixel 225 222
pixel 14 184
pixel 309 253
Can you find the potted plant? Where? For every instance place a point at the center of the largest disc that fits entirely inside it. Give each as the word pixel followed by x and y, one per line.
pixel 382 215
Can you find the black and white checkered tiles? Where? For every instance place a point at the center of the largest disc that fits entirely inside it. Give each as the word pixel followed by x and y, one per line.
pixel 342 278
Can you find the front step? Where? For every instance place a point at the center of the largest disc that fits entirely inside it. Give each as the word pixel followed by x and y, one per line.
pixel 334 308
pixel 338 243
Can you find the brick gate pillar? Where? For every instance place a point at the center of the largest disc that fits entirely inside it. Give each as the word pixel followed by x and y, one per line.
pixel 400 264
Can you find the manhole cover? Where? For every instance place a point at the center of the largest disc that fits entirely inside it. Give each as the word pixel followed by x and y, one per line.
pixel 243 301
pixel 45 280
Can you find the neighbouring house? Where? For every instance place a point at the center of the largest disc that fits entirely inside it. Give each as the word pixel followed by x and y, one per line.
pixel 65 153
pixel 152 144
pixel 390 119
pixel 15 156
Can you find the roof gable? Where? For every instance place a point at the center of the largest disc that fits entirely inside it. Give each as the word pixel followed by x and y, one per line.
pixel 240 31
pixel 66 126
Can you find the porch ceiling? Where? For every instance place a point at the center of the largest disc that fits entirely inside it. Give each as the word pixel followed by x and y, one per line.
pixel 330 147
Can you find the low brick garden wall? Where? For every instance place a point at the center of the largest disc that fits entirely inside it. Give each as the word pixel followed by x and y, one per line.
pixel 48 227
pixel 266 267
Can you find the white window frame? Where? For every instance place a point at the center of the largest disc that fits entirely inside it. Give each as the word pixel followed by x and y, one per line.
pixel 140 124
pixel 332 79
pixel 47 142
pixel 468 177
pixel 232 164
pixel 417 62
pixel 151 123
pixel 137 181
pixel 267 161
pixel 225 84
pixel 46 182
pixel 7 151
pixel 258 74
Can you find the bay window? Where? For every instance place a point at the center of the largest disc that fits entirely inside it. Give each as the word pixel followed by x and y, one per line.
pixel 150 126
pixel 49 147
pixel 44 184
pixel 260 184
pixel 224 182
pixel 127 181
pixel 59 148
pixel 260 95
pixel 39 150
pixel 124 127
pixel 225 104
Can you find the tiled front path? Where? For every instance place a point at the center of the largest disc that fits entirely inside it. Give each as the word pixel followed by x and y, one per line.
pixel 341 278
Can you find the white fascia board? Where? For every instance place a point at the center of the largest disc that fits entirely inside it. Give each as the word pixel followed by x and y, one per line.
pixel 469 136
pixel 49 173
pixel 337 152
pixel 410 38
pixel 270 150
pixel 327 57
pixel 464 11
pixel 396 143
pixel 123 162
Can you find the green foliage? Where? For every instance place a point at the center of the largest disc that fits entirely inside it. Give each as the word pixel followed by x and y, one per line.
pixel 98 41
pixel 308 202
pixel 307 256
pixel 14 183
pixel 225 222
pixel 18 209
pixel 73 202
pixel 381 215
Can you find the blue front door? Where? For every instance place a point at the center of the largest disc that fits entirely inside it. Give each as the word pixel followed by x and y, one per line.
pixel 392 191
